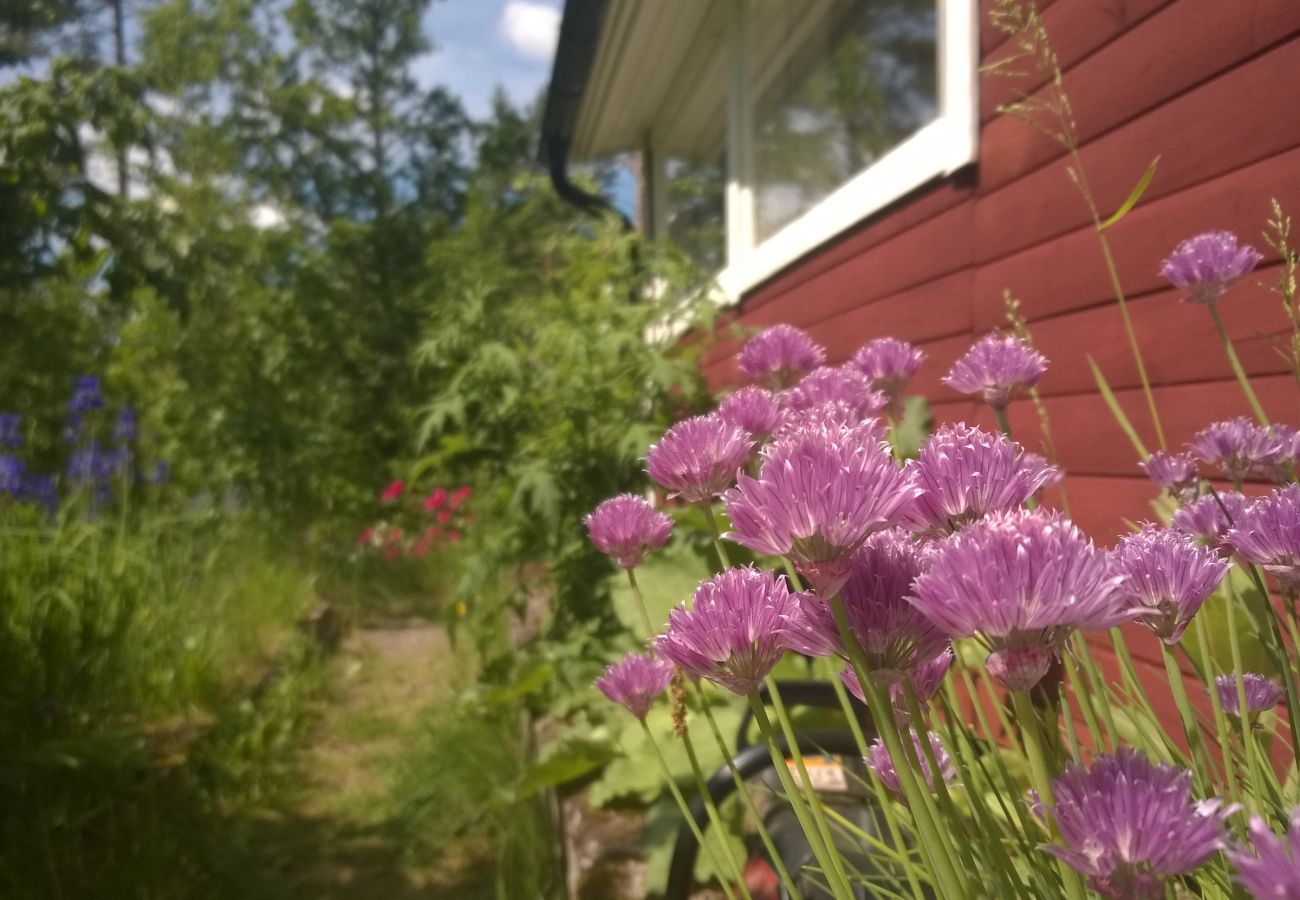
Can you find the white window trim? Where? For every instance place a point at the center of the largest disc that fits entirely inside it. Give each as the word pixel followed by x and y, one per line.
pixel 937 150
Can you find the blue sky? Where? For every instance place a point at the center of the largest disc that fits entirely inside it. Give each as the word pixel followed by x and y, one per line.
pixel 485 43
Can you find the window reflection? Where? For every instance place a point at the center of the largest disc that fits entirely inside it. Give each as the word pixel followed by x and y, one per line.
pixel 695 218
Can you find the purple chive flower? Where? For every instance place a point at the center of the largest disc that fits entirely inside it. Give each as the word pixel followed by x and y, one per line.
pixel 626 528
pixel 10 431
pixel 741 623
pixel 819 494
pixel 925 679
pixel 1022 582
pixel 11 474
pixel 697 459
pixel 125 429
pixel 1268 534
pixel 1283 465
pixel 842 385
pixel 1210 518
pixel 1128 824
pixel 1239 446
pixel 1207 265
pixel 1168 575
pixel 997 368
pixel 1269 866
pixel 881 763
pixel 829 414
pixel 780 356
pixel 87 394
pixel 636 681
pixel 1176 473
pixel 753 409
pixel 893 634
pixel 889 364
pixel 965 474
pixel 1262 693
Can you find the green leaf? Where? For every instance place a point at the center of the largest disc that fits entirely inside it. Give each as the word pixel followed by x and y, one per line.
pixel 666 579
pixel 1116 410
pixel 913 428
pixel 1134 196
pixel 568 763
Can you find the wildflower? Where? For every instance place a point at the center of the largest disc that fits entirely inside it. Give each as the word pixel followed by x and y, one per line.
pixel 41 491
pixel 11 474
pixel 889 364
pixel 87 395
pixel 819 494
pixel 1268 534
pixel 10 435
pixel 1129 824
pixel 393 491
pixel 892 633
pixel 826 414
pixel 737 630
pixel 453 536
pixel 780 356
pixel 460 495
pixel 1269 866
pixel 997 369
pixel 626 528
pixel 89 463
pixel 881 763
pixel 444 516
pixel 161 474
pixel 1210 518
pixel 366 536
pixel 436 498
pixel 1262 693
pixel 1282 466
pixel 1022 582
pixel 1239 446
pixel 697 459
pixel 828 384
pixel 125 429
pixel 965 474
pixel 753 409
pixel 636 681
pixel 1176 473
pixel 1207 265
pixel 1167 574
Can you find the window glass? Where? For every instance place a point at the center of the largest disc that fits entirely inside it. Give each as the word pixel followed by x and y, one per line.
pixel 837 85
pixel 695 192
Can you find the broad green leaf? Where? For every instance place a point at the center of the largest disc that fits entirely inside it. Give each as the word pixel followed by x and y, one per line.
pixel 666 579
pixel 569 762
pixel 1134 196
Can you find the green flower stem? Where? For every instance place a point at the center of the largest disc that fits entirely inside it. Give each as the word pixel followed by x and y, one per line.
pixel 1099 689
pixel 814 803
pixel 1222 729
pixel 717 534
pixel 1201 772
pixel 1003 422
pixel 748 800
pixel 1032 735
pixel 1242 378
pixel 921 727
pixel 715 818
pixel 640 604
pixel 1282 659
pixel 1137 693
pixel 1084 697
pixel 919 801
pixel 801 812
pixel 685 808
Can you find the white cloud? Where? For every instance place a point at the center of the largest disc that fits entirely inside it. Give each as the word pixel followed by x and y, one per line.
pixel 531 28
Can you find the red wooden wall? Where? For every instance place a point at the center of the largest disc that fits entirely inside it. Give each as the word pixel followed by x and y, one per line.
pixel 1210 87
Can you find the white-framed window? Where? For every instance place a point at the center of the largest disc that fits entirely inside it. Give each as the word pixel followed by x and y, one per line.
pixel 833 110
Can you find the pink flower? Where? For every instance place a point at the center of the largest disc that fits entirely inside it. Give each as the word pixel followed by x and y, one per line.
pixel 393 491
pixel 444 516
pixel 460 495
pixel 435 499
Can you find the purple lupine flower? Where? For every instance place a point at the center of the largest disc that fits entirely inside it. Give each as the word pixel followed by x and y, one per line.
pixel 41 491
pixel 87 394
pixel 89 463
pixel 697 459
pixel 1269 866
pixel 1268 534
pixel 1262 693
pixel 753 409
pixel 1239 446
pixel 819 494
pixel 997 368
pixel 1207 265
pixel 925 679
pixel 835 384
pixel 1022 582
pixel 11 474
pixel 892 633
pixel 125 428
pixel 636 681
pixel 161 474
pixel 1167 574
pixel 11 435
pixel 889 364
pixel 740 625
pixel 881 763
pixel 626 528
pixel 1128 824
pixel 965 473
pixel 779 356
pixel 1176 473
pixel 1210 518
